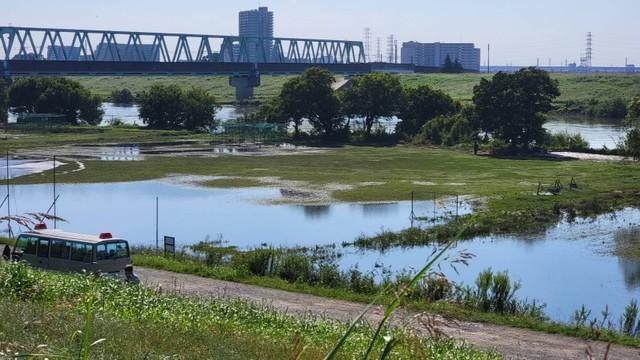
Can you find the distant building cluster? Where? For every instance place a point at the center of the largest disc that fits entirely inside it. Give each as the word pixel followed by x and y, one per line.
pixel 435 54
pixel 106 52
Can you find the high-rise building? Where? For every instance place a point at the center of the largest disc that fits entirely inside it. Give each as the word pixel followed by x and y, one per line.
pixel 435 54
pixel 257 23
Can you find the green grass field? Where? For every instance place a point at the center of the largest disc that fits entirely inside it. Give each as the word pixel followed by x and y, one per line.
pixel 573 87
pixel 215 85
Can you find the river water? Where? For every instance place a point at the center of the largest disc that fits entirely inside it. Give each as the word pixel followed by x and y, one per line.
pixel 566 266
pixel 599 132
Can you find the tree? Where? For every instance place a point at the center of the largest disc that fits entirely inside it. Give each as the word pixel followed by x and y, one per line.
pixel 56 95
pixel 310 96
pixel 292 102
pixel 512 107
pixel 161 107
pixel 123 96
pixel 632 122
pixel 422 104
pixel 3 102
pixel 321 107
pixel 372 96
pixel 270 112
pixel 198 109
pixel 170 107
pixel 452 67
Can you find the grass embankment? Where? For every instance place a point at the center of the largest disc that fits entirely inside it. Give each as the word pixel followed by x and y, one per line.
pixel 450 309
pixel 216 85
pixel 577 89
pixel 588 94
pixel 48 309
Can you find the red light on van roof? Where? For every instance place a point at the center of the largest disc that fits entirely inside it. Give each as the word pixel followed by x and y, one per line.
pixel 40 226
pixel 105 235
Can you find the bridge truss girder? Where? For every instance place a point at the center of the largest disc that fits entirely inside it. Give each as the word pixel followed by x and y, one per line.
pixel 25 43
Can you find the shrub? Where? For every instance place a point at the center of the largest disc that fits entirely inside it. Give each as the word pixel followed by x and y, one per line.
pixel 123 96
pixel 259 262
pixel 446 130
pixel 330 275
pixel 566 141
pixel 294 267
pixel 361 283
pixel 632 143
pixel 434 288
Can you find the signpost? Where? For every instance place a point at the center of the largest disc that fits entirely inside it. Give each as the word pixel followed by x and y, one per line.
pixel 169 245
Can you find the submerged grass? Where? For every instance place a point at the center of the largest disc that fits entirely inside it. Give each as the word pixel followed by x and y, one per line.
pixel 137 322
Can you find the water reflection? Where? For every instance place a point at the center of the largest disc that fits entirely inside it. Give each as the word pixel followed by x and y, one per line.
pixel 565 266
pixel 315 212
pixel 128 114
pixel 378 208
pixel 626 244
pixel 599 132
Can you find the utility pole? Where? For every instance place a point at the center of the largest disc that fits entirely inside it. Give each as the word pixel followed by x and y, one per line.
pixel 157 244
pixel 488 58
pixel 55 210
pixel 8 199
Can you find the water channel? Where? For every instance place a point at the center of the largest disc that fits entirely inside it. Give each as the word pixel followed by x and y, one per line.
pixel 566 266
pixel 599 132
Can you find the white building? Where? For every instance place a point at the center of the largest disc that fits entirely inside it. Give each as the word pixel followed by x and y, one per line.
pixel 257 23
pixel 434 54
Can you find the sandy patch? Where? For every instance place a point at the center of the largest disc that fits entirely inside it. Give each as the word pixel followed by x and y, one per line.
pixel 591 157
pixel 424 183
pixel 371 183
pixel 456 184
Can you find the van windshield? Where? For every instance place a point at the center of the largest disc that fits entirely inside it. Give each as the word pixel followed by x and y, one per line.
pixel 114 250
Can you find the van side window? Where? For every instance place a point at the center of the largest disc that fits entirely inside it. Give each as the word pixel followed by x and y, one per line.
pixel 43 248
pixel 81 252
pixel 27 244
pixel 115 250
pixel 60 249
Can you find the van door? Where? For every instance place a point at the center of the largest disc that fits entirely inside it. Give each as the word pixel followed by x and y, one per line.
pixel 81 257
pixel 43 253
pixel 27 249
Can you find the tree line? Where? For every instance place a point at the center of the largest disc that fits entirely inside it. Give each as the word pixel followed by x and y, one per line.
pixel 507 111
pixel 161 107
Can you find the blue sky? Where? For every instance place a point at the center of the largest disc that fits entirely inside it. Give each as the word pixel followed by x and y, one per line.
pixel 519 31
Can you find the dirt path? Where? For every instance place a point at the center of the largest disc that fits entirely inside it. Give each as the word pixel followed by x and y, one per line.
pixel 511 342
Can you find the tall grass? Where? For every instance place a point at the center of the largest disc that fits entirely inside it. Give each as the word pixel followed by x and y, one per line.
pixel 135 319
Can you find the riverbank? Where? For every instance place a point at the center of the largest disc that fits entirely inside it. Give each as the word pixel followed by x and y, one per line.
pixel 449 310
pixel 509 342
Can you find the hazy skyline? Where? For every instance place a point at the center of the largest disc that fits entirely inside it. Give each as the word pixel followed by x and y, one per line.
pixel 519 32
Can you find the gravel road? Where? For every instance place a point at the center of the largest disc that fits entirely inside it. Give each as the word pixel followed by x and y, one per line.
pixel 511 342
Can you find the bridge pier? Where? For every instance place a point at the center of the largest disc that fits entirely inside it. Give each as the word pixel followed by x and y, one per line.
pixel 244 85
pixel 4 74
